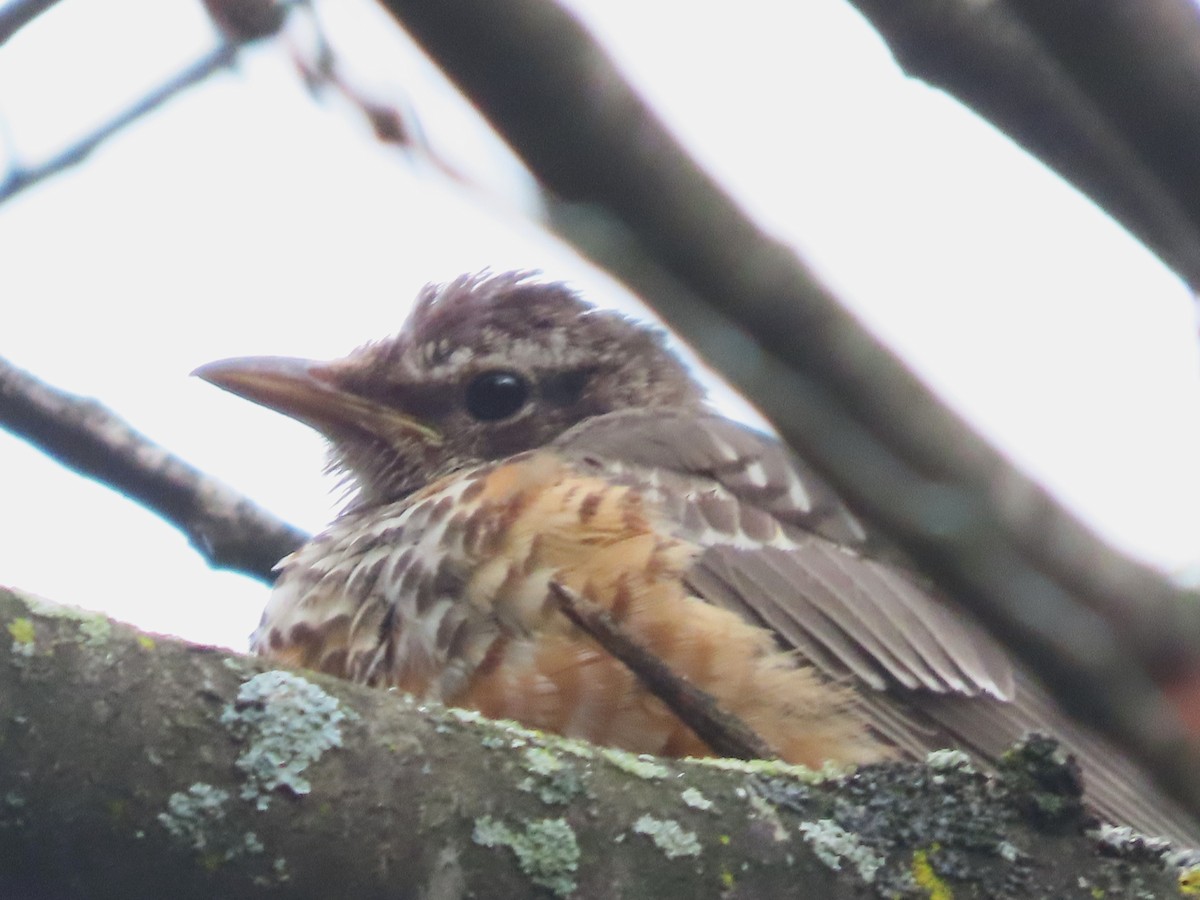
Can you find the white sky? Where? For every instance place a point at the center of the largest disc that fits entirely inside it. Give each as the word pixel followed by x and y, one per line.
pixel 244 219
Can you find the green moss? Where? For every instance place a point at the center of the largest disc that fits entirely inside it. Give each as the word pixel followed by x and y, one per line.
pixel 926 878
pixel 24 636
pixel 1189 881
pixel 772 768
pixel 668 836
pixel 642 766
pixel 95 627
pixel 546 850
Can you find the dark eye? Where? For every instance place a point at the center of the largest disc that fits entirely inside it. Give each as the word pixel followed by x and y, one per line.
pixel 496 395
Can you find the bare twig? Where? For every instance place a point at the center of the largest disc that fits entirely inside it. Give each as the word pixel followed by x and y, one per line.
pixel 394 121
pixel 723 731
pixel 16 14
pixel 226 528
pixel 986 533
pixel 20 178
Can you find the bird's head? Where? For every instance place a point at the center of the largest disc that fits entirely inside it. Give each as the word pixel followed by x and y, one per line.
pixel 486 366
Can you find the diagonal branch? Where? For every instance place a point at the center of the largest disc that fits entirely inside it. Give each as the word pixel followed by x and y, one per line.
pixel 228 530
pixel 18 13
pixel 20 178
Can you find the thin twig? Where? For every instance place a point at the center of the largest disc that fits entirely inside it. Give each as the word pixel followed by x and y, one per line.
pixel 723 731
pixel 227 529
pixel 20 178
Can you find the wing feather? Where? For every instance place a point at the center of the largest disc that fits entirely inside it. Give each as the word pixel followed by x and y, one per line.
pixel 782 550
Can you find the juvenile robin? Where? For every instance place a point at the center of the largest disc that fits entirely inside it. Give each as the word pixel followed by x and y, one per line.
pixel 511 437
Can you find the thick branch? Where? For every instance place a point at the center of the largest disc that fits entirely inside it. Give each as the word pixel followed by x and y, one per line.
pixel 16 14
pixel 227 529
pixel 1140 64
pixel 134 767
pixel 1069 606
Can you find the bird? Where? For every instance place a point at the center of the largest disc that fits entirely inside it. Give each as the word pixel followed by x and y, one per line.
pixel 512 439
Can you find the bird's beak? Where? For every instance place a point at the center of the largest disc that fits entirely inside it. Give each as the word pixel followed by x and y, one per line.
pixel 310 392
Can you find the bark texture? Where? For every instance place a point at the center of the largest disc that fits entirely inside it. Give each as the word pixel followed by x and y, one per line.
pixel 135 766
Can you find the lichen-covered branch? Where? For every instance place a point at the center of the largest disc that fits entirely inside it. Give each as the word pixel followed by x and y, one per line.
pixel 138 767
pixel 229 530
pixel 987 534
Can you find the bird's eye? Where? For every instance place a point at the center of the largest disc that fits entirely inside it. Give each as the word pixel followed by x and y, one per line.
pixel 493 396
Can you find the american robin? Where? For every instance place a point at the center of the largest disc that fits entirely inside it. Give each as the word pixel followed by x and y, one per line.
pixel 509 437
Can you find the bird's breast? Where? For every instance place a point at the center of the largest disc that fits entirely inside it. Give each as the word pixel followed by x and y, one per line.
pixel 447 595
pixel 416 593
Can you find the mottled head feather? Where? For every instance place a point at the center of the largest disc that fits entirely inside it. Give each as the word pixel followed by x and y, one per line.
pixel 577 361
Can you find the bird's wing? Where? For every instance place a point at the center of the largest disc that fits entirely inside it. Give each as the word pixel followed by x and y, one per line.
pixel 782 549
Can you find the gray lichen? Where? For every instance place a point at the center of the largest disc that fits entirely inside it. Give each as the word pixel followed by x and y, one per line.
pixel 641 766
pixel 949 761
pixel 287 723
pixel 552 779
pixel 669 836
pixel 835 846
pixel 546 850
pixel 695 799
pixel 197 819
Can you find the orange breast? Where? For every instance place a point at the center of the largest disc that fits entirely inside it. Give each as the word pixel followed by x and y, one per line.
pixel 495 539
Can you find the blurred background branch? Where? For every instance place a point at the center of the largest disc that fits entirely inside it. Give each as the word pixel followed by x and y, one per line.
pixel 20 177
pixel 16 14
pixel 227 529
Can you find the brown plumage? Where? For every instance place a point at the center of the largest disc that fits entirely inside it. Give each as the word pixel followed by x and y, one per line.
pixel 510 436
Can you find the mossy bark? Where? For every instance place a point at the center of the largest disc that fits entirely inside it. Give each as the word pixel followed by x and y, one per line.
pixel 135 766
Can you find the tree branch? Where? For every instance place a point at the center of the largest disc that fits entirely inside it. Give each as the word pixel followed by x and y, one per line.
pixel 1075 84
pixel 227 529
pixel 987 534
pixel 16 14
pixel 218 778
pixel 20 178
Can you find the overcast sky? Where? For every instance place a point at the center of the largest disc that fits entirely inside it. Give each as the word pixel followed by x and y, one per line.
pixel 244 218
